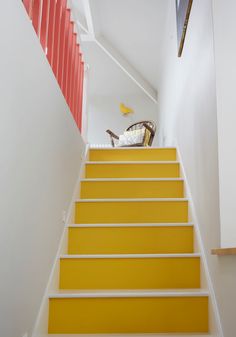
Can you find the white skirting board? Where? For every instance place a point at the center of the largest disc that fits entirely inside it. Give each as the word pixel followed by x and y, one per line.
pixel 214 316
pixel 41 324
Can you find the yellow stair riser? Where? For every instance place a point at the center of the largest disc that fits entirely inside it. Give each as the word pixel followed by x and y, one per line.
pixel 132 154
pixel 128 315
pixel 166 170
pixel 131 212
pixel 132 189
pixel 130 240
pixel 130 273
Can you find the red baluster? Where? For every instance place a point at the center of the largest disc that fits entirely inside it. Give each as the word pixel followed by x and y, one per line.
pixel 75 83
pixel 77 103
pixel 66 52
pixel 44 23
pixel 56 36
pixel 36 15
pixel 81 96
pixel 70 40
pixel 72 72
pixel 51 24
pixel 28 6
pixel 62 44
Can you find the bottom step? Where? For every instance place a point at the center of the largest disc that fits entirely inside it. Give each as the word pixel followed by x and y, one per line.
pixel 132 335
pixel 124 315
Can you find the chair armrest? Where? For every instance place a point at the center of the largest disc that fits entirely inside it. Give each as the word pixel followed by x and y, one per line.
pixel 112 134
pixel 149 129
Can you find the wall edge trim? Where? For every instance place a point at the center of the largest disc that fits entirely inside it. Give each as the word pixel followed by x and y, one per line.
pixel 44 301
pixel 200 242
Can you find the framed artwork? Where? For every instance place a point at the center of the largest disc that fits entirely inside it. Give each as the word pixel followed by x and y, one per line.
pixel 183 9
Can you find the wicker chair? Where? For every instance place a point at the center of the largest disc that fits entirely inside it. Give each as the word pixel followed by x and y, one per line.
pixel 149 125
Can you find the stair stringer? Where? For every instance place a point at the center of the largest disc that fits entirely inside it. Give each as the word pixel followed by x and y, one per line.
pixel 215 326
pixel 41 324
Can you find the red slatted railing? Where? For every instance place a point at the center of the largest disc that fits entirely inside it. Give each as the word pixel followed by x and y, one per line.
pixel 44 24
pixel 51 20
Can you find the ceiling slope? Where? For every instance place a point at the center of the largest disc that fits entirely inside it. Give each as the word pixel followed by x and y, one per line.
pixel 130 33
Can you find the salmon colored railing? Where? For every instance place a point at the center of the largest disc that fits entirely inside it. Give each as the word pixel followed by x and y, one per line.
pixel 51 20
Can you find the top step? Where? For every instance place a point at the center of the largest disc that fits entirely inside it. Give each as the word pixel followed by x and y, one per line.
pixel 133 154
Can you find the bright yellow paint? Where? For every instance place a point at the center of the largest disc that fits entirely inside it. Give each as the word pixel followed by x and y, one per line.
pixel 132 170
pixel 128 315
pixel 125 110
pixel 130 240
pixel 132 154
pixel 131 189
pixel 130 273
pixel 187 314
pixel 131 212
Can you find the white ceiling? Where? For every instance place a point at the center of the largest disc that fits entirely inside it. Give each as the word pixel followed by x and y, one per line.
pixel 135 28
pixel 105 77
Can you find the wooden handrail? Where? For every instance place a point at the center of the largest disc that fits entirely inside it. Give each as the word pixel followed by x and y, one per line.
pixel 223 251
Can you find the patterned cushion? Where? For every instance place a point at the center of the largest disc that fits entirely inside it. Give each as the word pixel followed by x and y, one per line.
pixel 132 137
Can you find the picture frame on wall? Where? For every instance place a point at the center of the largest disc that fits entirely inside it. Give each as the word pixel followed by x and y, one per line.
pixel 183 10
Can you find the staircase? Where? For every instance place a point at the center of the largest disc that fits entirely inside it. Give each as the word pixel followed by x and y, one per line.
pixel 131 266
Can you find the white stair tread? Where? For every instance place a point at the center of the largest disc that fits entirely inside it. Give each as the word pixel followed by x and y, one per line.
pixel 133 199
pixel 132 148
pixel 131 335
pixel 188 224
pixel 128 256
pixel 130 293
pixel 132 162
pixel 131 179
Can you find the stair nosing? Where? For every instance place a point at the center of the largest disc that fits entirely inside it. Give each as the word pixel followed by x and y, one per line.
pixel 103 162
pixel 174 334
pixel 189 224
pixel 132 200
pixel 130 179
pixel 130 256
pixel 132 148
pixel 136 293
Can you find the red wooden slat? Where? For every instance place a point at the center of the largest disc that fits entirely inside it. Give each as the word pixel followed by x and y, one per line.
pixel 78 89
pixel 78 86
pixel 28 6
pixel 44 24
pixel 75 83
pixel 51 24
pixel 36 15
pixel 70 39
pixel 70 70
pixel 76 72
pixel 72 73
pixel 62 44
pixel 66 52
pixel 81 96
pixel 56 36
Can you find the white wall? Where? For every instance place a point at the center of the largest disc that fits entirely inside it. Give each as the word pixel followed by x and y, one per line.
pixel 104 113
pixel 108 86
pixel 225 51
pixel 39 161
pixel 187 107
